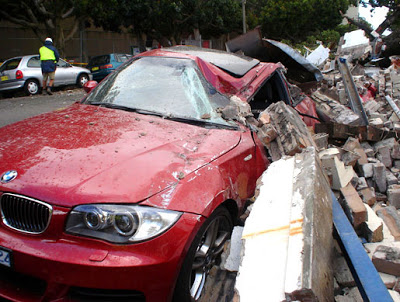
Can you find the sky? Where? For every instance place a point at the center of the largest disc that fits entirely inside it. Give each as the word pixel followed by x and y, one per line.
pixel 375 18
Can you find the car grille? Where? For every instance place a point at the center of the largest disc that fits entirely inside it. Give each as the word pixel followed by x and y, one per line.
pixel 25 214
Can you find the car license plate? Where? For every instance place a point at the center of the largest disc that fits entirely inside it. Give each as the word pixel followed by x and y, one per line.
pixel 5 257
pixel 4 78
pixel 95 68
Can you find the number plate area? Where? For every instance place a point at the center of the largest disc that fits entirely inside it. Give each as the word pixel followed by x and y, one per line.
pixel 95 68
pixel 5 257
pixel 4 78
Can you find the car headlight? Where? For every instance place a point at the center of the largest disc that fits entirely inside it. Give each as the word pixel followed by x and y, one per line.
pixel 119 223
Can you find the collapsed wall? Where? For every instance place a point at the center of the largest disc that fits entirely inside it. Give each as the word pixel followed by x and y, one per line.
pixel 288 235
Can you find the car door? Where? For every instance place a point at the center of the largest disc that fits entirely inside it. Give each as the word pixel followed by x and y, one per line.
pixel 64 74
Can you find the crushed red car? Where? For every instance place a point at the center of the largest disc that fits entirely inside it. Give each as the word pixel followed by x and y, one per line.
pixel 131 193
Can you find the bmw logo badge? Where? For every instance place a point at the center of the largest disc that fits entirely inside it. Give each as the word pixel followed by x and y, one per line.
pixel 8 176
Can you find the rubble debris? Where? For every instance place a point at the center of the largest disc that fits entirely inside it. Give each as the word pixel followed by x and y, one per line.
pixel 233 254
pixel 353 206
pixel 300 70
pixel 392 220
pixel 373 227
pixel 387 260
pixel 351 91
pixel 298 239
pixel 333 111
pixel 357 143
pixel 342 273
pixel 319 56
pixel 292 135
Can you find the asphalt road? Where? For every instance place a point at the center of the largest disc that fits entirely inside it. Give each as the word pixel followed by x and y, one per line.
pixel 18 108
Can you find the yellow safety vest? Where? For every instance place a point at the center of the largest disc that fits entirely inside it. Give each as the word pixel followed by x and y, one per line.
pixel 46 54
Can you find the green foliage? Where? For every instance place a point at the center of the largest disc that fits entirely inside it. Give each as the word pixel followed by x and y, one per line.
pixel 298 19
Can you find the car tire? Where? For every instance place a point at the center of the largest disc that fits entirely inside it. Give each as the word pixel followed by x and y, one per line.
pixel 31 87
pixel 204 253
pixel 82 79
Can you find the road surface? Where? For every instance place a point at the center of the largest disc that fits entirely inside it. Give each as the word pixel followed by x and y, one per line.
pixel 18 108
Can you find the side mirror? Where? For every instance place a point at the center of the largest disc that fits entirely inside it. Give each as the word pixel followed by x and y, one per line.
pixel 89 86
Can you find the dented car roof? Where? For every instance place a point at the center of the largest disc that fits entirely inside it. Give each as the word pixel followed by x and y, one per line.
pixel 229 73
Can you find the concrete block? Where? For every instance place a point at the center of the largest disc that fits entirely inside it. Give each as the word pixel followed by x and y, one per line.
pixel 373 227
pixel 351 144
pixel 293 134
pixel 376 122
pixel 388 280
pixel 363 156
pixel 231 261
pixel 353 206
pixel 321 140
pixel 361 184
pixel 395 295
pixel 336 112
pixel 367 170
pixel 350 158
pixel 391 218
pixel 371 106
pixel 391 179
pixel 396 152
pixel 352 295
pixel 288 235
pixel 387 260
pixel 342 273
pixel 380 176
pixel 396 286
pixel 393 194
pixel 368 196
pixel 266 236
pixel 383 155
pixel 341 174
pixel 267 133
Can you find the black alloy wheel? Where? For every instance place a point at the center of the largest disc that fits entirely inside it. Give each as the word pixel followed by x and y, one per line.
pixel 204 253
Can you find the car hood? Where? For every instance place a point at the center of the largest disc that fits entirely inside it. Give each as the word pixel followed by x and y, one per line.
pixel 86 154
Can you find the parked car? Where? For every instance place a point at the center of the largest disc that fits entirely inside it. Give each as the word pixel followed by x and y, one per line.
pixel 25 73
pixel 102 66
pixel 131 194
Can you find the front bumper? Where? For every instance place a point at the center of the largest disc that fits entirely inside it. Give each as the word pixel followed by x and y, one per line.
pixel 67 268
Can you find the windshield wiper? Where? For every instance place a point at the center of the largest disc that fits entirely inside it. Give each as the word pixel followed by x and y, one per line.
pixel 127 108
pixel 203 123
pixel 188 120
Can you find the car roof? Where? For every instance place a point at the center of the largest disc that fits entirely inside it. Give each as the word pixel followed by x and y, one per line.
pixel 229 73
pixel 236 65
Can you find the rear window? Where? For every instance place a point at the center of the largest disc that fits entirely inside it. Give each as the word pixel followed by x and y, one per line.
pixel 100 60
pixel 34 62
pixel 10 65
pixel 122 57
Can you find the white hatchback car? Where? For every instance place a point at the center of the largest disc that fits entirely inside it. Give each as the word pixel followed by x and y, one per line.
pixel 25 73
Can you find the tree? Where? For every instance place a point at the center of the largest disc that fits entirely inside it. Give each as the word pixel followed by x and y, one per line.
pixel 295 20
pixel 167 20
pixel 392 23
pixel 46 17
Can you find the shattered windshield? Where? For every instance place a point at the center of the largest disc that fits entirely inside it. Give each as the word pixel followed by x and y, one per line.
pixel 172 87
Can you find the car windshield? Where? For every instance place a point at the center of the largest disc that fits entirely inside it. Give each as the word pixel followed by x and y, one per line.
pixel 171 87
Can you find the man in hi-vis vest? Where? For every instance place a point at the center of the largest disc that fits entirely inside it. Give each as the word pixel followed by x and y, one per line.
pixel 48 57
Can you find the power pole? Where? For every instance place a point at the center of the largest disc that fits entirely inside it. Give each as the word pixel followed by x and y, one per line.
pixel 244 15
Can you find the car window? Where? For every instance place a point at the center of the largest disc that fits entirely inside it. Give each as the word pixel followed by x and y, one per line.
pixel 10 65
pixel 271 91
pixel 34 62
pixel 170 86
pixel 99 60
pixel 62 63
pixel 122 57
